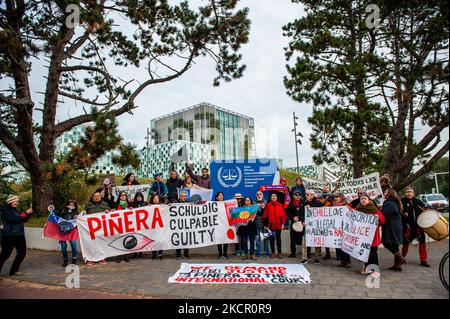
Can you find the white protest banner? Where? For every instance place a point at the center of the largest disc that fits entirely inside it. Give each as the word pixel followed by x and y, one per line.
pixel 156 227
pixel 131 190
pixel 241 274
pixel 358 232
pixel 371 184
pixel 324 226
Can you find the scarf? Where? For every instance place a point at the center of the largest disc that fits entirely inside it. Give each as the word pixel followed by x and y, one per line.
pixel 296 202
pixel 123 204
pixel 367 209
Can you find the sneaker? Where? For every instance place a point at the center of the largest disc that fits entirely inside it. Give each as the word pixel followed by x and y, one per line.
pixel 316 261
pixel 103 262
pixel 395 268
pixel 74 261
pixel 186 256
pixel 375 274
pixel 304 261
pixel 425 264
pixel 238 253
pixel 65 262
pixel 18 274
pixel 89 263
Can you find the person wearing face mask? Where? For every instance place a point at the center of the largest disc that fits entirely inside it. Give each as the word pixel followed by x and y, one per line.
pixel 13 233
pixel 264 242
pixel 70 211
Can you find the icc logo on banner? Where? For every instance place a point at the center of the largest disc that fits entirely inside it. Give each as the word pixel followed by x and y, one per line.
pixel 229 177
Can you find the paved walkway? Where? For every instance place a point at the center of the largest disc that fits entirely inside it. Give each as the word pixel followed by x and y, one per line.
pixel 43 277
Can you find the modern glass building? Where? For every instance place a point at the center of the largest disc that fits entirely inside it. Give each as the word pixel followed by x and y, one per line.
pixel 318 172
pixel 229 134
pixel 157 158
pixel 102 166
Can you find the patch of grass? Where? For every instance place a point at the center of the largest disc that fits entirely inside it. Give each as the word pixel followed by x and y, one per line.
pixel 36 222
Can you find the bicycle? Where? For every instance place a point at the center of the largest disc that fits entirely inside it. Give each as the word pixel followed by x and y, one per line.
pixel 443 266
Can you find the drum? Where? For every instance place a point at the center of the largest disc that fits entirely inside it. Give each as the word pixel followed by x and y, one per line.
pixel 298 227
pixel 433 224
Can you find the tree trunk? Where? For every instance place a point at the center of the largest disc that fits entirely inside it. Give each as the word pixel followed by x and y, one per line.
pixel 42 195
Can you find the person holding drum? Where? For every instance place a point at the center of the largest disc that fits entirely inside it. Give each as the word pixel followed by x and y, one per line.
pixel 412 208
pixel 392 228
pixel 296 213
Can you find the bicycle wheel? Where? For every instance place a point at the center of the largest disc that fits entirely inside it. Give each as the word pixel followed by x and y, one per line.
pixel 443 270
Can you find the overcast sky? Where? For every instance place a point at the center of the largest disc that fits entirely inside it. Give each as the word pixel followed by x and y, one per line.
pixel 260 93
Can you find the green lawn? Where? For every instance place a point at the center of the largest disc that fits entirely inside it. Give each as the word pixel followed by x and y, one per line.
pixel 36 221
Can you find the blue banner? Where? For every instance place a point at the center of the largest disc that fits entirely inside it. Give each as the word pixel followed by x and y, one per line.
pixel 242 176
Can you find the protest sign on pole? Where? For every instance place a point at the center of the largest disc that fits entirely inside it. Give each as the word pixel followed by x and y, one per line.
pixel 324 226
pixel 358 232
pixel 241 274
pixel 131 190
pixel 197 195
pixel 156 227
pixel 371 183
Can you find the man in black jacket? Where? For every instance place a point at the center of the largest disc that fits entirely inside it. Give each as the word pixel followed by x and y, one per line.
pixel 173 184
pixel 412 208
pixel 296 213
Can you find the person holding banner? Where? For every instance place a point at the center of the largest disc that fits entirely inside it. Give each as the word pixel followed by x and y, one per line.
pixel 13 233
pixel 274 218
pixel 155 200
pixel 70 211
pixel 368 207
pixel 204 180
pixel 222 248
pixel 260 226
pixel 173 184
pixel 130 179
pixel 182 199
pixel 339 200
pixel 107 193
pixel 96 205
pixel 189 183
pixel 412 208
pixel 248 233
pixel 296 213
pixel 120 204
pixel 138 201
pixel 237 247
pixel 392 228
pixel 326 198
pixel 312 201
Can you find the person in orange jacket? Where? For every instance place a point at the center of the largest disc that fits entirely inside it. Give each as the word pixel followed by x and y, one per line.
pixel 368 207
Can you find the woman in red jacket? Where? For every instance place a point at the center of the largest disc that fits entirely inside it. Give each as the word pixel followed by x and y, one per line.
pixel 368 207
pixel 274 218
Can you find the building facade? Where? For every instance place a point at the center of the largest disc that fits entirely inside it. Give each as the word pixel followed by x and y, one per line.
pixel 158 158
pixel 62 145
pixel 318 172
pixel 230 135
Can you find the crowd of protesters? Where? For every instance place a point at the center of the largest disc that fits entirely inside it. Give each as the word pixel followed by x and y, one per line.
pixel 397 217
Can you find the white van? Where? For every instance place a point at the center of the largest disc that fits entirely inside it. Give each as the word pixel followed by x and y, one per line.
pixel 435 201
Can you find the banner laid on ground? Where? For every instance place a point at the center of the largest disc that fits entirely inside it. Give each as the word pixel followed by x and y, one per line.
pixel 242 215
pixel 359 230
pixel 340 227
pixel 324 226
pixel 241 274
pixel 157 227
pixel 243 176
pixel 59 228
pixel 131 190
pixel 371 183
pixel 197 195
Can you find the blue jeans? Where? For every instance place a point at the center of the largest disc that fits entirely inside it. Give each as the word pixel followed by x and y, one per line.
pixel 73 245
pixel 244 244
pixel 258 243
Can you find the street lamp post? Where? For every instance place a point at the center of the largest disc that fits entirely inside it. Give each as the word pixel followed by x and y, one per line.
pixel 434 175
pixel 296 135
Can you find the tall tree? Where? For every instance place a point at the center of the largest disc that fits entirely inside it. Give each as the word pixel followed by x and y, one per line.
pixel 330 47
pixel 401 74
pixel 150 36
